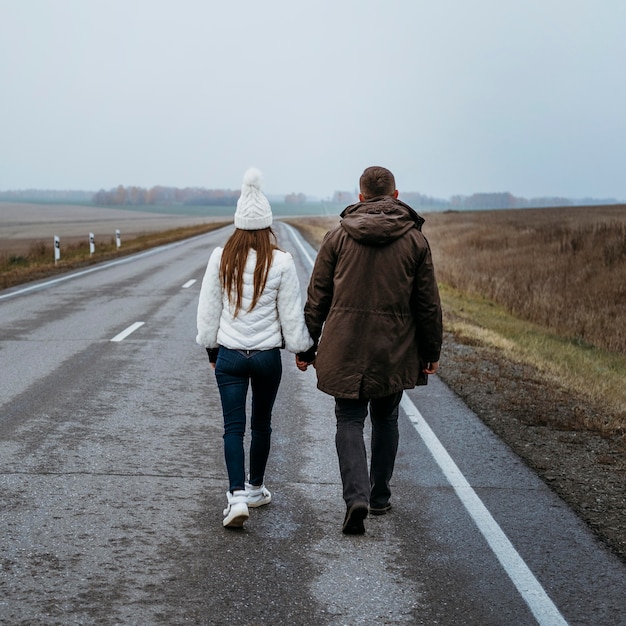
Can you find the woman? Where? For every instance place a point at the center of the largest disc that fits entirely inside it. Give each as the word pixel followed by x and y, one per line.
pixel 249 308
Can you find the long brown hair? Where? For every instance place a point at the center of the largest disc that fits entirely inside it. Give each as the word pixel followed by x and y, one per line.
pixel 234 259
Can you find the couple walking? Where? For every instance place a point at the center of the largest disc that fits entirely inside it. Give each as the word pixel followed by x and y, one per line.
pixel 371 327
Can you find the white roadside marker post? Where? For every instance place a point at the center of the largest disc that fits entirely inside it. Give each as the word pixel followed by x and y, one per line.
pixel 118 238
pixel 57 249
pixel 92 243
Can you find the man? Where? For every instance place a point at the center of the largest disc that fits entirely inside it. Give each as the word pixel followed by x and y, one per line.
pixel 373 291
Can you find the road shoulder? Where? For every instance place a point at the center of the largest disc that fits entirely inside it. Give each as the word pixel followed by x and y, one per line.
pixel 586 469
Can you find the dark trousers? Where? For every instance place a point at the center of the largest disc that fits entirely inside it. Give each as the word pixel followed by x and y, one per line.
pixel 235 373
pixel 359 484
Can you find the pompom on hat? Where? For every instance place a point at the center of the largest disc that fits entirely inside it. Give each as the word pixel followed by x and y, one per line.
pixel 253 209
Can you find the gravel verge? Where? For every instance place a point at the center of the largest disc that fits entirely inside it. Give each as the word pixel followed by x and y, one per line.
pixel 537 420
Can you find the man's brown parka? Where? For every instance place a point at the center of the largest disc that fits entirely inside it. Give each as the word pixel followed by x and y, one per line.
pixel 373 302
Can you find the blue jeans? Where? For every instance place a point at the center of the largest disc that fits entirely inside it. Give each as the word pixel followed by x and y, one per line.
pixel 234 373
pixel 359 485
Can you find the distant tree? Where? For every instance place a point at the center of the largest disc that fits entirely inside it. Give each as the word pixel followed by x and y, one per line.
pixel 416 199
pixel 120 195
pixel 136 195
pixel 344 197
pixel 295 198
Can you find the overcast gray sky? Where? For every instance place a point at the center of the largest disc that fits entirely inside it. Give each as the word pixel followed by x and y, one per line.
pixel 455 97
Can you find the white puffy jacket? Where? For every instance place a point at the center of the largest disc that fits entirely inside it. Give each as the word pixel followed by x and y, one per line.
pixel 277 319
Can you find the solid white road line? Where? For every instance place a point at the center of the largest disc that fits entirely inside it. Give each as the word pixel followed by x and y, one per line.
pixel 189 283
pixel 297 240
pixel 131 329
pixel 532 592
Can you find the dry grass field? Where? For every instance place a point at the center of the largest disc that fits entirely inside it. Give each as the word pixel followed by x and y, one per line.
pixel 23 224
pixel 27 234
pixel 564 269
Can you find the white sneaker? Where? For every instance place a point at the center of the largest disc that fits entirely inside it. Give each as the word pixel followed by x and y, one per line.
pixel 236 513
pixel 257 496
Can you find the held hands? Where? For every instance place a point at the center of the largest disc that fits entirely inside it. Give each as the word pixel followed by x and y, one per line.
pixel 304 359
pixel 431 368
pixel 303 365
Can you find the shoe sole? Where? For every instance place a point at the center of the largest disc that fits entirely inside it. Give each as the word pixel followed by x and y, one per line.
pixel 235 522
pixel 236 519
pixel 263 502
pixel 382 510
pixel 353 524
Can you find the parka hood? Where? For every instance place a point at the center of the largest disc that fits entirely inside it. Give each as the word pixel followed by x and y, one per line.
pixel 379 221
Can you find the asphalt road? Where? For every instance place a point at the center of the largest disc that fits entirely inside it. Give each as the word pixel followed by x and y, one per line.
pixel 112 484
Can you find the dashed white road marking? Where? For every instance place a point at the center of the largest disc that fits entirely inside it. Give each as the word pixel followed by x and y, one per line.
pixel 131 329
pixel 189 283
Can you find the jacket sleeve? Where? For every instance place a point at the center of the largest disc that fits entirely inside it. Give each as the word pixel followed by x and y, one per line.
pixel 427 309
pixel 210 303
pixel 290 313
pixel 321 288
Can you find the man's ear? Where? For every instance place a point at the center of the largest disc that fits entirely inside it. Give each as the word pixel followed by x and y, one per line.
pixel 395 193
pixel 361 198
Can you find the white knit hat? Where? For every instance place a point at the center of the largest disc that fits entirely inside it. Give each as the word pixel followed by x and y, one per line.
pixel 253 209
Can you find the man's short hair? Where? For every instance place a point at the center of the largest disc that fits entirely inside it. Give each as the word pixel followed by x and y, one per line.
pixel 377 181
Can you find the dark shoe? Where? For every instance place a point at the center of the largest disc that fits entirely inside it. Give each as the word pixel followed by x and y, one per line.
pixel 380 510
pixel 353 523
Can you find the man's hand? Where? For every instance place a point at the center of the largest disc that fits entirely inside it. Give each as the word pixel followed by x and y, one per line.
pixel 303 365
pixel 431 368
pixel 304 359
